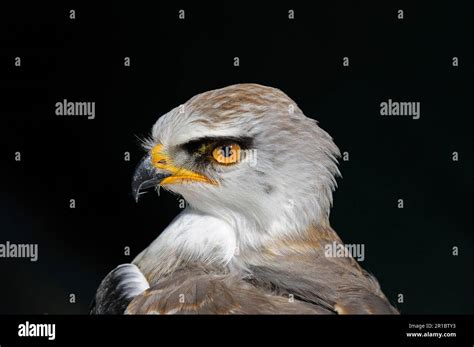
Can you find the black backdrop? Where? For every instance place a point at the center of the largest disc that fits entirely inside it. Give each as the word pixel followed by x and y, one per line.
pixel 409 250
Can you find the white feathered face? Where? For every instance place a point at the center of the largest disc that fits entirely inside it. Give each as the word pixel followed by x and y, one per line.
pixel 242 151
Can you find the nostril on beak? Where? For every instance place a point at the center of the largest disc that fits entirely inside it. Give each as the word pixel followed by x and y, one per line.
pixel 160 163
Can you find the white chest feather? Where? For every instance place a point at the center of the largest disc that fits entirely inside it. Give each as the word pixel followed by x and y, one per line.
pixel 191 237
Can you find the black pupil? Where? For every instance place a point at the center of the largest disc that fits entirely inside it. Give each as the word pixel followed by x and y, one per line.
pixel 226 151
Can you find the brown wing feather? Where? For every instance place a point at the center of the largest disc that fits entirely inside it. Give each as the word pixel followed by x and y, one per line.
pixel 300 267
pixel 295 278
pixel 196 292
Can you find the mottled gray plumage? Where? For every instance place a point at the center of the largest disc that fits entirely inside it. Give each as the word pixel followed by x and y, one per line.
pixel 252 239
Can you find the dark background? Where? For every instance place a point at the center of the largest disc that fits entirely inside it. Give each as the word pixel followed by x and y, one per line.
pixel 409 250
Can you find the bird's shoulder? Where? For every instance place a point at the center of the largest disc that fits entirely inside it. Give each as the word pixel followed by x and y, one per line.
pixel 117 289
pixel 303 268
pixel 202 292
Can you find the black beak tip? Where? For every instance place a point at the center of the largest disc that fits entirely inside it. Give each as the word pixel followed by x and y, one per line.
pixel 136 196
pixel 138 187
pixel 144 177
pixel 135 191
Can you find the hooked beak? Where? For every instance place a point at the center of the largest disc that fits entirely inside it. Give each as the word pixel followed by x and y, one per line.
pixel 146 176
pixel 156 169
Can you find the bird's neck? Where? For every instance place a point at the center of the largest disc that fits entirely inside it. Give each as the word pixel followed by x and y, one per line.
pixel 227 244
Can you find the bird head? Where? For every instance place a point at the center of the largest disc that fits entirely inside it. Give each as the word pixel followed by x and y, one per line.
pixel 245 153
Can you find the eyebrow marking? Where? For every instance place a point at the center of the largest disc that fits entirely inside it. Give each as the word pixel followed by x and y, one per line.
pixel 193 145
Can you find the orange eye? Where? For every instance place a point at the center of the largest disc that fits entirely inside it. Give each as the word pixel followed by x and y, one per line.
pixel 227 155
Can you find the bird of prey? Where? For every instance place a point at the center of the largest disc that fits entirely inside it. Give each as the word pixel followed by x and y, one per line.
pixel 258 177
